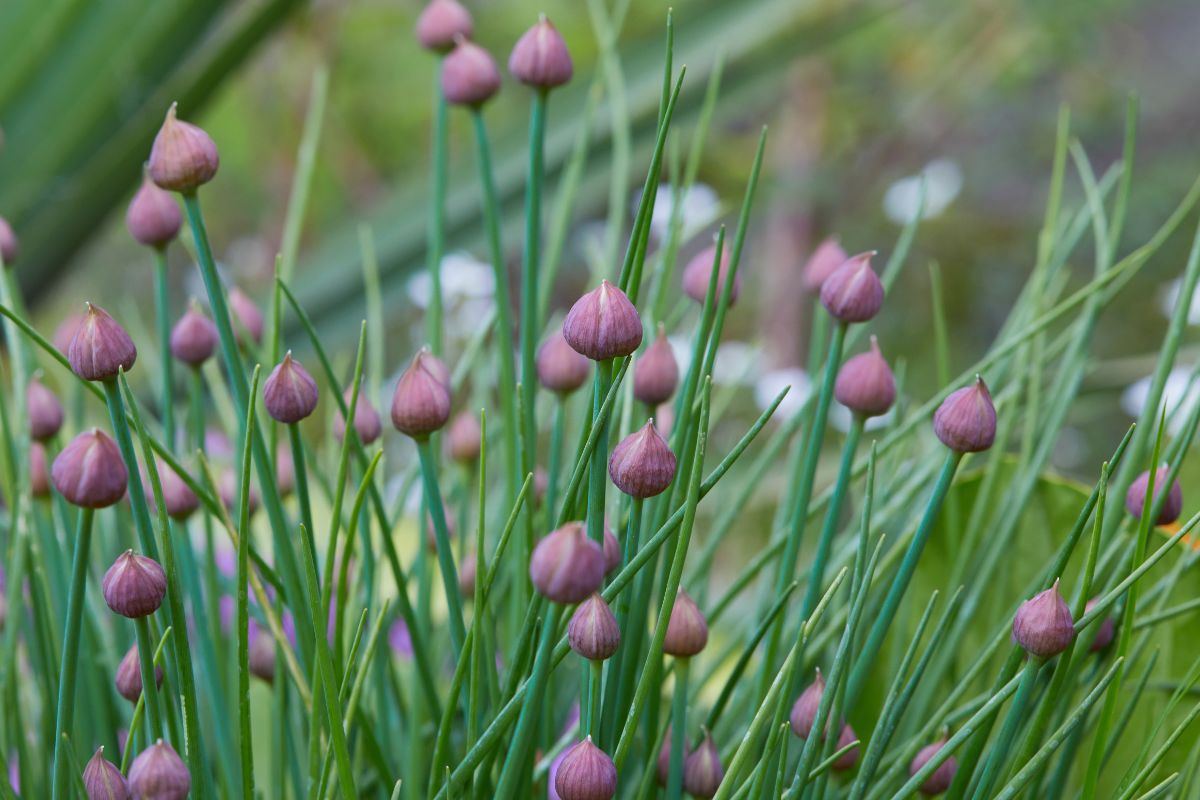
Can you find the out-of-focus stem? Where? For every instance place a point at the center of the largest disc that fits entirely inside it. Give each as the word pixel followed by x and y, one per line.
pixel 166 367
pixel 597 476
pixel 433 498
pixel 70 649
pixel 437 217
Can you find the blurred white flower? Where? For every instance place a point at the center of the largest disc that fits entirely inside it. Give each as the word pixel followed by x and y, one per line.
pixel 772 382
pixel 699 206
pixel 736 362
pixel 1180 395
pixel 1168 297
pixel 839 417
pixel 464 278
pixel 944 180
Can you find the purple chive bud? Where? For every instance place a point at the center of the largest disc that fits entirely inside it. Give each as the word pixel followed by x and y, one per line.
pixel 656 374
pixel 941 778
pixel 158 773
pixel 89 472
pixel 247 317
pixel 39 476
pixel 642 464
pixel 848 759
pixel 289 393
pixel 129 676
pixel 229 486
pixel 367 423
pixel 45 412
pixel 1043 624
pixel 540 58
pixel 662 767
pixel 559 368
pixel 865 384
pixel 466 576
pixel 566 565
pixel 178 498
pixel 400 640
pixel 469 75
pixel 804 711
pixel 702 771
pixel 552 776
pixel 612 551
pixel 698 273
pixel 1135 498
pixel 102 780
pixel 101 347
pixel 603 324
pixel 465 438
pixel 194 337
pixel 828 256
pixel 852 292
pixel 966 420
pixel 65 332
pixel 687 630
pixel 586 773
pixel 421 402
pixel 593 631
pixel 441 22
pixel 261 654
pixel 1105 632
pixel 9 247
pixel 183 157
pixel 285 470
pixel 134 585
pixel 153 218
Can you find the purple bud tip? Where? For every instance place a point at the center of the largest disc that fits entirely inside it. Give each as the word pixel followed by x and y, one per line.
pixel 9 247
pixel 1135 498
pixel 246 316
pixel 687 629
pixel 567 566
pixel 559 368
pixel 102 780
pixel 698 274
pixel 465 438
pixel 158 772
pixel 848 759
pixel 441 23
pixel 1043 624
pixel 1105 630
pixel 540 58
pixel 134 585
pixel 941 778
pixel 101 347
pixel 45 412
pixel 586 773
pixel 593 632
pixel 262 655
pixel 153 217
pixel 656 374
pixel 129 676
pixel 663 767
pixel 852 292
pixel 828 256
pixel 603 324
pixel 421 402
pixel 612 550
pixel 194 338
pixel 966 421
pixel 183 157
pixel 367 424
pixel 865 384
pixel 178 498
pixel 89 472
pixel 467 572
pixel 804 710
pixel 702 771
pixel 469 75
pixel 39 475
pixel 642 464
pixel 289 393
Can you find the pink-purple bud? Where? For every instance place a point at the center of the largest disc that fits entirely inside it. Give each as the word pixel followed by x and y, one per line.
pixel 183 157
pixel 158 773
pixel 702 771
pixel 942 777
pixel 1135 498
pixel 865 384
pixel 178 498
pixel 804 710
pixel 129 675
pixel 687 629
pixel 853 292
pixel 559 368
pixel 656 374
pixel 603 324
pixel 540 58
pixel 698 274
pixel 261 654
pixel 89 472
pixel 101 347
pixel 465 438
pixel 194 337
pixel 289 393
pixel 102 780
pixel 65 332
pixel 567 566
pixel 421 402
pixel 593 632
pixel 9 246
pixel 467 573
pixel 153 217
pixel 612 551
pixel 441 23
pixel 39 475
pixel 1106 630
pixel 367 424
pixel 966 420
pixel 848 759
pixel 45 412
pixel 662 767
pixel 828 256
pixel 1043 624
pixel 134 585
pixel 469 75
pixel 229 487
pixel 247 317
pixel 642 464
pixel 586 773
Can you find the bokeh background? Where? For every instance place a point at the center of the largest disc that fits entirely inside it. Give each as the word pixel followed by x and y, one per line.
pixel 859 96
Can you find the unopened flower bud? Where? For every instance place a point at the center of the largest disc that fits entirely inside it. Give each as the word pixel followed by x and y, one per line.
pixel 469 75
pixel 39 475
pixel 261 654
pixel 865 384
pixel 567 566
pixel 1135 498
pixel 129 675
pixel 247 317
pixel 153 217
pixel 1106 630
pixel 194 337
pixel 45 412
pixel 178 498
pixel 101 347
pixel 183 157
pixel 702 771
pixel 966 421
pixel 1043 624
pixel 662 767
pixel 586 773
pixel 465 438
pixel 642 464
pixel 285 470
pixel 102 779
pixel 848 759
pixel 229 486
pixel 603 324
pixel 559 368
pixel 421 402
pixel 159 773
pixel 467 572
pixel 687 630
pixel 441 22
pixel 593 631
pixel 698 274
pixel 367 424
pixel 65 332
pixel 828 256
pixel 89 472
pixel 941 778
pixel 656 374
pixel 853 292
pixel 804 710
pixel 612 550
pixel 134 585
pixel 9 246
pixel 540 58
pixel 289 393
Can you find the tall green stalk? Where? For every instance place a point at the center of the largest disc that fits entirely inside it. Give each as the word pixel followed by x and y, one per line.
pixel 597 471
pixel 166 364
pixel 433 498
pixel 437 216
pixel 70 648
pixel 678 729
pixel 530 322
pixel 1016 716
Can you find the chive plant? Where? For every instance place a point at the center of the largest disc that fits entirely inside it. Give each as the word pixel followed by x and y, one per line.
pixel 932 636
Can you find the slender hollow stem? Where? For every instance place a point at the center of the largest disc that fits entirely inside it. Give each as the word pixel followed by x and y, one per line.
pixel 145 646
pixel 437 216
pixel 678 729
pixel 1016 716
pixel 596 675
pixel 162 310
pixel 598 476
pixel 832 513
pixel 556 457
pixel 433 498
pixel 70 648
pixel 301 472
pixel 530 324
pixel 514 765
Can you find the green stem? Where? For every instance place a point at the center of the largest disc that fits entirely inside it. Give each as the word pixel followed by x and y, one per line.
pixel 145 646
pixel 678 729
pixel 832 514
pixel 437 216
pixel 433 497
pixel 598 475
pixel 166 365
pixel 530 324
pixel 514 765
pixel 301 473
pixel 556 457
pixel 70 649
pixel 596 680
pixel 1016 715
pixel 243 660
